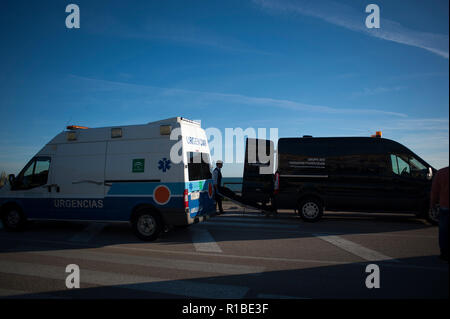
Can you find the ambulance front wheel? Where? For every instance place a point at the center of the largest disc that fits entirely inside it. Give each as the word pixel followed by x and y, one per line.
pixel 13 218
pixel 147 225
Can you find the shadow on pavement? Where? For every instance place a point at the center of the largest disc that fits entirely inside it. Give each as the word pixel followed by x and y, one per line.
pixel 50 235
pixel 397 280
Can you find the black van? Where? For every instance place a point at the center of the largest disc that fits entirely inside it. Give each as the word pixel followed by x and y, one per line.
pixel 370 174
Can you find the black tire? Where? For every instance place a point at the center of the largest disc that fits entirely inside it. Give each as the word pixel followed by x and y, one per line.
pixel 13 218
pixel 432 216
pixel 147 224
pixel 310 209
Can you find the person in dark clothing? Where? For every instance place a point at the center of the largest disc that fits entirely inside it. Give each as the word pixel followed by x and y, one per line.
pixel 217 180
pixel 439 196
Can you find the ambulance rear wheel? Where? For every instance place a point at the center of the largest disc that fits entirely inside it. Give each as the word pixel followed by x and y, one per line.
pixel 147 225
pixel 13 219
pixel 310 210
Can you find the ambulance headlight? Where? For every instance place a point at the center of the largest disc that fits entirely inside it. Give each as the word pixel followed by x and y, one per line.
pixel 165 129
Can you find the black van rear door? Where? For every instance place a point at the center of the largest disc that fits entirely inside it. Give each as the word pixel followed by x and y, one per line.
pixel 257 184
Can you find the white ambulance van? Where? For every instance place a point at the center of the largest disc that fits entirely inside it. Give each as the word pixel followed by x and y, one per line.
pixel 153 175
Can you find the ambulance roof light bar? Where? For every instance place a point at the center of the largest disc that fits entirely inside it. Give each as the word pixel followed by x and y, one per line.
pixel 76 127
pixel 377 134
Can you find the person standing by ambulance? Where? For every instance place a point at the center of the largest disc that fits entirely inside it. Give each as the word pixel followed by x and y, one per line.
pixel 439 196
pixel 217 180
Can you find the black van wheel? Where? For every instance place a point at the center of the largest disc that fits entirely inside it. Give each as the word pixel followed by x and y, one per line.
pixel 432 215
pixel 310 210
pixel 13 218
pixel 147 225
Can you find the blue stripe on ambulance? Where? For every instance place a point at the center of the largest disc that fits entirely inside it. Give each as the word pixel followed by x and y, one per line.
pixel 197 207
pixel 119 201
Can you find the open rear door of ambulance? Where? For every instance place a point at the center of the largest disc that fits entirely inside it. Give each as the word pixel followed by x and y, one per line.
pixel 257 184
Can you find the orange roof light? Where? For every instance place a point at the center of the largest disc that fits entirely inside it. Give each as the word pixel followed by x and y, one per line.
pixel 76 127
pixel 377 134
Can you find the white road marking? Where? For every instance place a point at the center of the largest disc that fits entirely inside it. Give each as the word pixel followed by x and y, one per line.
pixel 203 241
pixel 166 263
pixel 88 233
pixel 260 258
pixel 354 248
pixel 271 296
pixel 443 268
pixel 33 243
pixel 185 288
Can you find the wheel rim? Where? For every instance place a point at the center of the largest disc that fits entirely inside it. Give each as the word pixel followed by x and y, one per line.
pixel 146 225
pixel 310 210
pixel 13 218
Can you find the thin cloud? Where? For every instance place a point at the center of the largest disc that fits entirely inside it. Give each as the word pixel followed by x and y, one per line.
pixel 420 125
pixel 210 97
pixel 376 91
pixel 347 17
pixel 169 31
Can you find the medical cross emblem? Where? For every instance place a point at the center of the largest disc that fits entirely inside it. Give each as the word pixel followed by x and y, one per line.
pixel 164 164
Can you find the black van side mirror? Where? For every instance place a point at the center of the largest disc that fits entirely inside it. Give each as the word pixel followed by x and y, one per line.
pixel 430 173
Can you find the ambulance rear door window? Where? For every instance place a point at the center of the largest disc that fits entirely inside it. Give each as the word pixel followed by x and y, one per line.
pixel 198 166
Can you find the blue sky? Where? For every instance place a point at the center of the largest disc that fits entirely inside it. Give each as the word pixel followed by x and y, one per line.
pixel 304 67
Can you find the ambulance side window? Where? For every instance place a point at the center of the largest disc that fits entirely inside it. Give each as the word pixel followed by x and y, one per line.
pixel 40 175
pixel 34 174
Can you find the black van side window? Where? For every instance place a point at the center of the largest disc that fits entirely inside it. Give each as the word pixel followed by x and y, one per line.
pixel 34 174
pixel 358 164
pixel 417 169
pixel 400 166
pixel 394 164
pixel 374 164
pixel 408 166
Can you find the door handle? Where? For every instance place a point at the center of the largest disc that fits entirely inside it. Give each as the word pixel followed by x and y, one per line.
pixel 49 186
pixel 89 182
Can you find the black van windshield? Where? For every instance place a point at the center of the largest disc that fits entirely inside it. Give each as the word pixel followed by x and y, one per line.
pixel 198 166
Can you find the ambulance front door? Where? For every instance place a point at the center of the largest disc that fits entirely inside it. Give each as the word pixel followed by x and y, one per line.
pixel 32 187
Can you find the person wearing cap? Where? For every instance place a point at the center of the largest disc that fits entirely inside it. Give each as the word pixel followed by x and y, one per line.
pixel 217 180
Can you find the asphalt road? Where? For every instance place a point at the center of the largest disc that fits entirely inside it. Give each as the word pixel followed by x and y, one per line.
pixel 241 254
